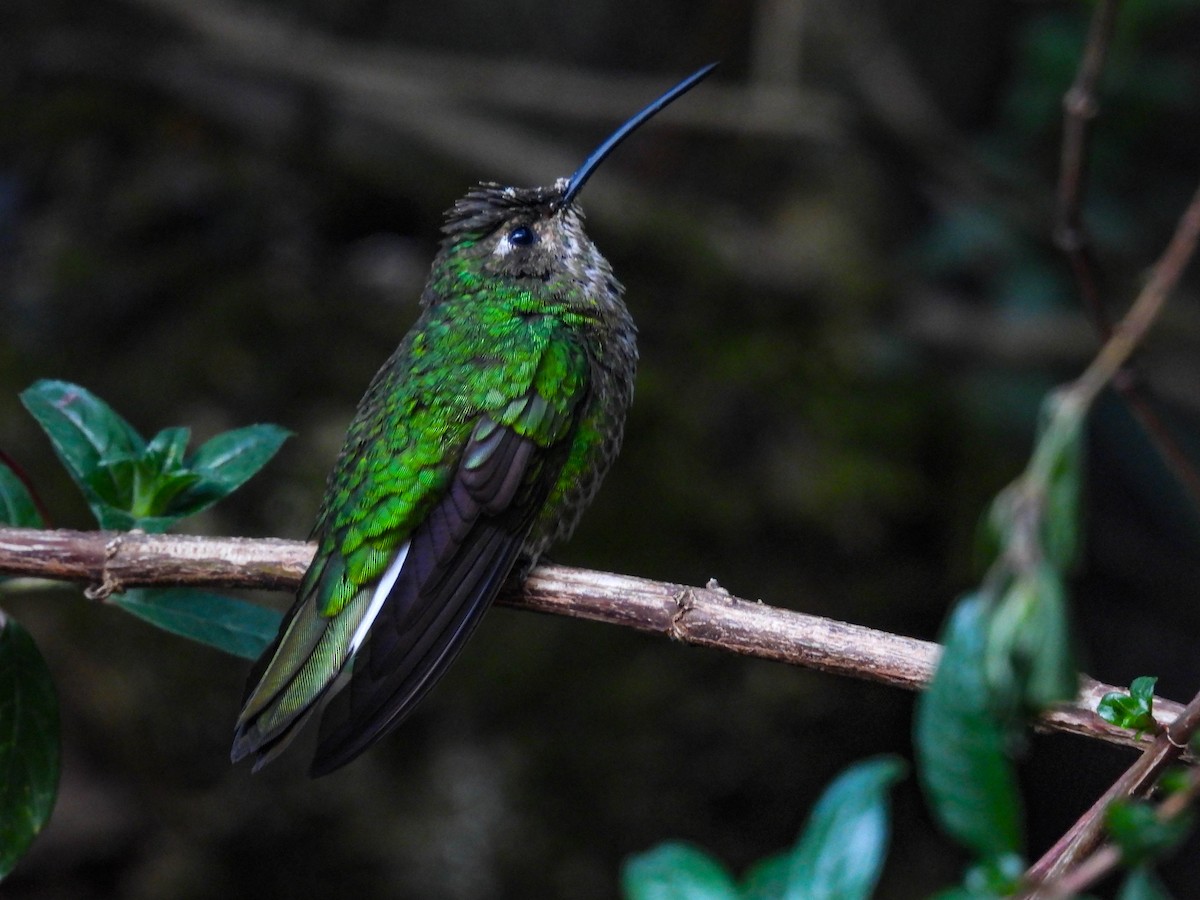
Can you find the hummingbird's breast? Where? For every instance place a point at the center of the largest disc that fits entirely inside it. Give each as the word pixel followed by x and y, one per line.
pixel 611 345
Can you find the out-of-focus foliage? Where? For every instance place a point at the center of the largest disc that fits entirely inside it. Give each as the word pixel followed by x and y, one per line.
pixel 1141 831
pixel 962 748
pixel 1142 884
pixel 29 743
pixel 838 855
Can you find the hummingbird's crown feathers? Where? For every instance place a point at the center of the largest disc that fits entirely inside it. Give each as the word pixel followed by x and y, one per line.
pixel 488 205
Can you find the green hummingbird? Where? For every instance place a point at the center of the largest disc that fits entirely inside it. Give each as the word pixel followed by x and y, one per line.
pixel 477 445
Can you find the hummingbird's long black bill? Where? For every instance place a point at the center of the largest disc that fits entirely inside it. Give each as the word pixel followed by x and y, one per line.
pixel 584 172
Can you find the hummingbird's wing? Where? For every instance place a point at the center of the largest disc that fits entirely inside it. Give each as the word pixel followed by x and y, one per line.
pixel 457 561
pixel 388 603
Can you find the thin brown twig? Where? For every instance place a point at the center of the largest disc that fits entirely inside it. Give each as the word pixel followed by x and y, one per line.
pixel 707 617
pixel 1133 328
pixel 1080 107
pixel 1074 863
pixel 1095 867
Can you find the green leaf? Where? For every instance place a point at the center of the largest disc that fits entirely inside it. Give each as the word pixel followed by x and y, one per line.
pixel 1142 690
pixel 1029 660
pixel 89 438
pixel 1142 884
pixel 1134 710
pixel 1137 829
pixel 676 871
pixel 841 850
pixel 767 879
pixel 159 476
pixel 29 746
pixel 995 527
pixel 1174 780
pixel 235 626
pixel 168 448
pixel 992 879
pixel 997 876
pixel 16 506
pixel 162 491
pixel 226 462
pixel 1057 469
pixel 961 745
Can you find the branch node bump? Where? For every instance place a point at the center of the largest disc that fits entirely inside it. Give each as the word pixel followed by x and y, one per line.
pixel 109 583
pixel 685 602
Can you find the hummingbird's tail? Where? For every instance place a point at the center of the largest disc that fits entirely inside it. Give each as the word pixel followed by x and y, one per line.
pixel 371 662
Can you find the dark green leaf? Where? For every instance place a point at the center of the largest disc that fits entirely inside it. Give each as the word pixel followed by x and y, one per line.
pixel 1142 689
pixel 155 499
pixel 16 506
pixel 29 747
pixel 961 746
pixel 1175 779
pixel 1142 884
pixel 676 871
pixel 1057 468
pixel 1137 829
pixel 998 876
pixel 89 438
pixel 995 528
pixel 767 879
pixel 991 879
pixel 150 493
pixel 841 850
pixel 1003 625
pixel 1133 710
pixel 1038 641
pixel 1029 660
pixel 235 626
pixel 226 462
pixel 116 519
pixel 168 448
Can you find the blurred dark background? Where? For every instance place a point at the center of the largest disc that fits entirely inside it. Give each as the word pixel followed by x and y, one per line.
pixel 838 253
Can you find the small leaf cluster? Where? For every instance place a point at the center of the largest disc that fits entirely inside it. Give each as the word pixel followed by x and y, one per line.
pixel 838 855
pixel 128 482
pixel 1134 710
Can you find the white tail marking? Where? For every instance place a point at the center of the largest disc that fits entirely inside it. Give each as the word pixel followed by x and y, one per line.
pixel 381 593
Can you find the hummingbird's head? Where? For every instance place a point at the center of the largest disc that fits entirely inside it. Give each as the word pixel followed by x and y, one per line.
pixel 531 237
pixel 534 237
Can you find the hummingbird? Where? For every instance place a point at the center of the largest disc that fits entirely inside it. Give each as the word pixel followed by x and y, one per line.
pixel 477 445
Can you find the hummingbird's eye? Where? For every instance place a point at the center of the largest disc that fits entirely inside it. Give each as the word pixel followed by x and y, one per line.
pixel 521 236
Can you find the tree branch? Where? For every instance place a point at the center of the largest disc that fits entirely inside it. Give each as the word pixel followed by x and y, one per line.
pixel 703 616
